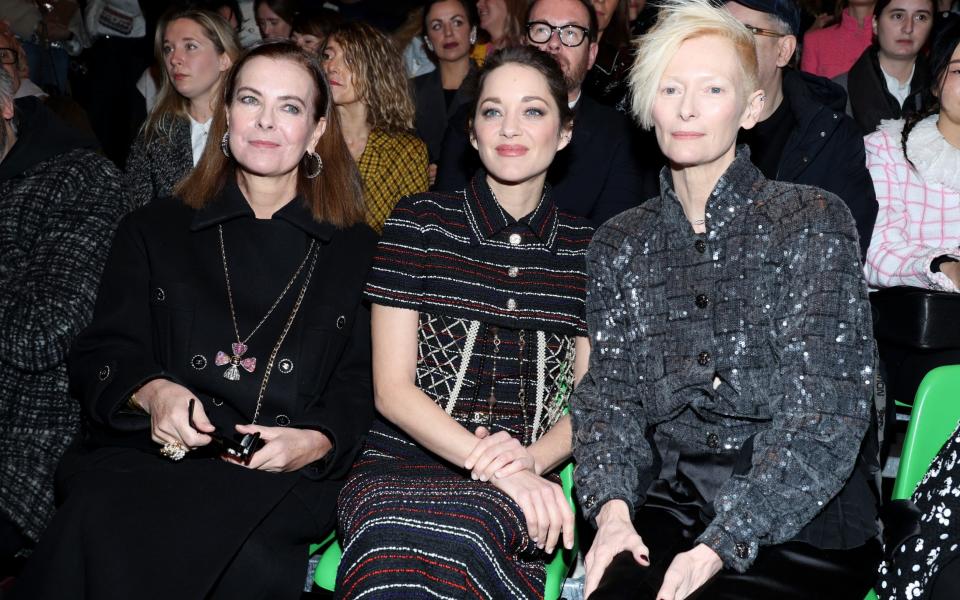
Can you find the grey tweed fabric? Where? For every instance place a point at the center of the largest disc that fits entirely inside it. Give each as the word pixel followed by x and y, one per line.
pixel 154 168
pixel 56 224
pixel 758 329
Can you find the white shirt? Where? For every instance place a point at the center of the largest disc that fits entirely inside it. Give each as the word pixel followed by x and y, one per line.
pixel 899 90
pixel 198 138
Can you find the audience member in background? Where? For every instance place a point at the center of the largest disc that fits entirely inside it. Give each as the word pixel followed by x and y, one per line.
pixel 105 81
pixel 275 17
pixel 376 110
pixel 196 48
pixel 473 364
pixel 501 25
pixel 51 33
pixel 602 172
pixel 312 26
pixel 832 50
pixel 59 204
pixel 642 15
pixel 228 9
pixel 803 134
pixel 722 434
pixel 915 166
pixel 606 81
pixel 258 248
pixel 409 36
pixel 891 78
pixel 451 31
pixel 13 61
pixel 926 565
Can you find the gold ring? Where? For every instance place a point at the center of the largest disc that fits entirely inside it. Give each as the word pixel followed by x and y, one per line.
pixel 174 451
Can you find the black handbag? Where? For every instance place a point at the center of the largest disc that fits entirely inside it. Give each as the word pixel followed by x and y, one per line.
pixel 917 318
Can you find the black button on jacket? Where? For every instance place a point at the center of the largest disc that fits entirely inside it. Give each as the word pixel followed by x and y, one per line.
pixel 163 311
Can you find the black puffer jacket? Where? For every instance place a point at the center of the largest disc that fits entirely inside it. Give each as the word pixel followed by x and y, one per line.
pixel 826 148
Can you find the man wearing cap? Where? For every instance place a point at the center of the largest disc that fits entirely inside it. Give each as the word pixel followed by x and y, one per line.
pixel 804 135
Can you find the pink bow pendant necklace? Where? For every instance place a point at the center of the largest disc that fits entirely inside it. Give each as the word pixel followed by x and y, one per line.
pixel 236 360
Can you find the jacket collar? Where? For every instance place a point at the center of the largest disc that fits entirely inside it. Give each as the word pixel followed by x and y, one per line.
pixel 731 195
pixel 490 219
pixel 231 204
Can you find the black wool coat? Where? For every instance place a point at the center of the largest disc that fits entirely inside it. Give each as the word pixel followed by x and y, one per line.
pixel 162 312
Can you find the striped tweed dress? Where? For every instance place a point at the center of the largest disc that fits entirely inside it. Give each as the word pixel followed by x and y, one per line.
pixel 500 303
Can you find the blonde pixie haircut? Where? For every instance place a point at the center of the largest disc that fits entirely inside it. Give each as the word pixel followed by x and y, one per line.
pixel 679 21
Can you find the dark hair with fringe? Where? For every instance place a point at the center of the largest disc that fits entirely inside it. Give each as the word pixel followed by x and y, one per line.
pixel 526 56
pixel 941 50
pixel 617 33
pixel 335 197
pixel 469 9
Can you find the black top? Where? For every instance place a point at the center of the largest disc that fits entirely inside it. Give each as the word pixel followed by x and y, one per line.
pixel 768 138
pixel 436 106
pixel 162 311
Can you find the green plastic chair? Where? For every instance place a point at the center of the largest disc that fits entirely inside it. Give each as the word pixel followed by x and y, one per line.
pixel 936 411
pixel 326 574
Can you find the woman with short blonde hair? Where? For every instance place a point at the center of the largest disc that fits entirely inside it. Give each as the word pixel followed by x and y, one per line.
pixel 723 434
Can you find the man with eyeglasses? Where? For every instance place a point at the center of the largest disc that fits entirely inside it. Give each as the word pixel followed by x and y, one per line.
pixel 804 134
pixel 602 172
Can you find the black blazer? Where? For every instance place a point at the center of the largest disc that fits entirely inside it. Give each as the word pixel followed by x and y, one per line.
pixel 601 173
pixel 433 115
pixel 162 312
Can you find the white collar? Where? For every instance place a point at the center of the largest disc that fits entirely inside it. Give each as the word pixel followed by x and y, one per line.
pixel 935 159
pixel 573 104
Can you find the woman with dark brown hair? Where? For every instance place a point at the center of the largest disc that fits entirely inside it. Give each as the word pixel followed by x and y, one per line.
pixel 606 81
pixel 225 378
pixel 275 18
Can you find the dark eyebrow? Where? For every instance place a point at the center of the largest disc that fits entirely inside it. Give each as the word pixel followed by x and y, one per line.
pixel 297 98
pixel 249 89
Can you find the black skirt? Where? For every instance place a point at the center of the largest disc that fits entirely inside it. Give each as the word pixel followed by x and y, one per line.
pixel 136 525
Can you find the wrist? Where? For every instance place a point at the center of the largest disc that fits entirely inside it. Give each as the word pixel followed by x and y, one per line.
pixel 613 510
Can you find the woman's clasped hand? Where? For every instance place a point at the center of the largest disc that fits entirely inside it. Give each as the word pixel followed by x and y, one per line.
pixel 503 461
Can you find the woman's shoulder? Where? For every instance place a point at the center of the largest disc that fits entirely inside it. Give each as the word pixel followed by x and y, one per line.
pixel 798 209
pixel 159 217
pixel 431 207
pixel 397 141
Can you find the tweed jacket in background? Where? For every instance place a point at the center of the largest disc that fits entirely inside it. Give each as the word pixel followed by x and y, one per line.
pixel 154 168
pixel 393 165
pixel 770 305
pixel 57 223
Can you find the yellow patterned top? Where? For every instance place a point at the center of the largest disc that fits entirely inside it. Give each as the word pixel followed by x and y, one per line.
pixel 393 165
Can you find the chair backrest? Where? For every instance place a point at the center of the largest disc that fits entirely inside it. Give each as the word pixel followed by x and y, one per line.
pixel 936 411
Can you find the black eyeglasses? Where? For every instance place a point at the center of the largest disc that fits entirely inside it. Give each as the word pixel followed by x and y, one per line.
pixel 8 56
pixel 764 32
pixel 540 32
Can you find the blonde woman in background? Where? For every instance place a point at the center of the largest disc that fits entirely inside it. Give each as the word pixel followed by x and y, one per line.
pixel 373 100
pixel 196 49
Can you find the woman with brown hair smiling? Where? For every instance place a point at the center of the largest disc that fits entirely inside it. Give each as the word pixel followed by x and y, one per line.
pixel 225 377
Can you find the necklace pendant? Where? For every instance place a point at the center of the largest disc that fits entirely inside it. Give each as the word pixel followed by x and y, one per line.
pixel 232 373
pixel 235 361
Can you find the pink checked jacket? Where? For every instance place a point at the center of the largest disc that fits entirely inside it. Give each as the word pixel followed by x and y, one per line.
pixel 919 216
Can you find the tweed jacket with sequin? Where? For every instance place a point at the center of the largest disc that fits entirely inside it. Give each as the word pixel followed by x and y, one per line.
pixel 757 332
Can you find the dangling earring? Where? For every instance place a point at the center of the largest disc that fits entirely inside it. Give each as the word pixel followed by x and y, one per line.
pixel 318 167
pixel 428 43
pixel 473 35
pixel 225 144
